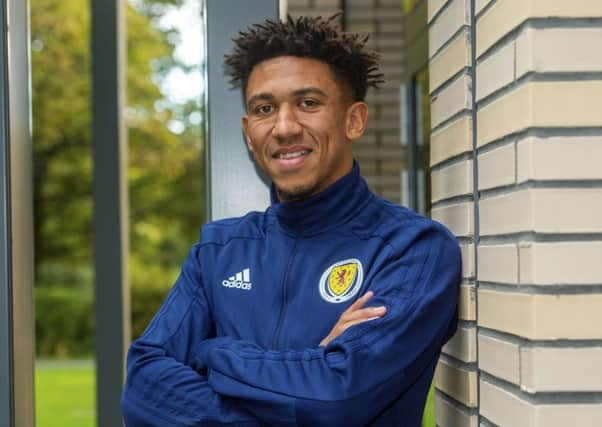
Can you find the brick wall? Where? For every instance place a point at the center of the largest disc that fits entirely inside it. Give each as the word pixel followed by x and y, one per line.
pixel 379 152
pixel 529 350
pixel 453 202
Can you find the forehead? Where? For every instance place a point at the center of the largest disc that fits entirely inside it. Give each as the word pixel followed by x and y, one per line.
pixel 286 74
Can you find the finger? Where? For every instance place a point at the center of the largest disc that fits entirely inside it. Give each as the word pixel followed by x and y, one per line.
pixel 358 321
pixel 359 303
pixel 363 313
pixel 342 327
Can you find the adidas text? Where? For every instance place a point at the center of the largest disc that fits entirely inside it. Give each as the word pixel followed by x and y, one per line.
pixel 241 280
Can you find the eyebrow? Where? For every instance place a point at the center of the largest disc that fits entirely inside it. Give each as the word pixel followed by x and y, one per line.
pixel 310 90
pixel 266 96
pixel 263 96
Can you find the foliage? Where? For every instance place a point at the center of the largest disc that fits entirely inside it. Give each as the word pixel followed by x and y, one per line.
pixel 64 321
pixel 65 317
pixel 165 176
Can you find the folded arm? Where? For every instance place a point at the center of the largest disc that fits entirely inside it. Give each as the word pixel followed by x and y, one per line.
pixel 162 387
pixel 369 365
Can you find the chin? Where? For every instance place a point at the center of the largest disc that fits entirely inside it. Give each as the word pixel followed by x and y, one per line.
pixel 299 192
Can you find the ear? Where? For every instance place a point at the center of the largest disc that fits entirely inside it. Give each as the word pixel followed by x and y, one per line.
pixel 357 118
pixel 245 130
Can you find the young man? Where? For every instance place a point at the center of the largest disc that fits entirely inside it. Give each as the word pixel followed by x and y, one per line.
pixel 331 307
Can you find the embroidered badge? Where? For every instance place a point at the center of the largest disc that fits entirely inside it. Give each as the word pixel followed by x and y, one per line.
pixel 341 281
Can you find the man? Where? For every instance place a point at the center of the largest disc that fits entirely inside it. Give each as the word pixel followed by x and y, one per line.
pixel 331 307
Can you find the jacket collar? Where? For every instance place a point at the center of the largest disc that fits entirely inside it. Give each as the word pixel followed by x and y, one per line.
pixel 335 205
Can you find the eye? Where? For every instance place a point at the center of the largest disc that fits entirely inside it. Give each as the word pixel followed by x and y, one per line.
pixel 309 103
pixel 264 109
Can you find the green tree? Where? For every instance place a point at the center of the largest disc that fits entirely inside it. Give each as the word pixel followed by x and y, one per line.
pixel 165 175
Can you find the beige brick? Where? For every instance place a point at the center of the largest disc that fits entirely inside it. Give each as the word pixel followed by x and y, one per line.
pixel 567 210
pixel 456 15
pixel 453 180
pixel 500 358
pixel 457 382
pixel 578 263
pixel 559 158
pixel 451 140
pixel 546 369
pixel 450 61
pixel 463 345
pixel 467 251
pixel 498 263
pixel 496 71
pixel 434 6
pixel 582 415
pixel 537 316
pixel 508 213
pixel 558 50
pixel 497 167
pixel 505 15
pixel 449 415
pixel 480 5
pixel 459 218
pixel 506 409
pixel 451 100
pixel 536 104
pixel 467 308
pixel 562 210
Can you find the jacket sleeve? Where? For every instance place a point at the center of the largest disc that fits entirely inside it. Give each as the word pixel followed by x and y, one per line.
pixel 358 374
pixel 162 388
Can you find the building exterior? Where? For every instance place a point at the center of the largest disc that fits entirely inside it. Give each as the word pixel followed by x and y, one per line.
pixel 500 138
pixel 516 115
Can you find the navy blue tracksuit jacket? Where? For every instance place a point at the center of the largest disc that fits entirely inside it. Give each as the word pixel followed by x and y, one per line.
pixel 236 342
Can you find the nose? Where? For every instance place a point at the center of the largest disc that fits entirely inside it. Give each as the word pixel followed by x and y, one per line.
pixel 286 124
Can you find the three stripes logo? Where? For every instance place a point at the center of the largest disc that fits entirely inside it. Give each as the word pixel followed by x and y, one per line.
pixel 241 280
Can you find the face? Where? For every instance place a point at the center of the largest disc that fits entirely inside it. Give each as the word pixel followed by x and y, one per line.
pixel 300 124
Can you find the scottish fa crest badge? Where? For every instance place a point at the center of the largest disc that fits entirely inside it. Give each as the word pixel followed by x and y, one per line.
pixel 341 281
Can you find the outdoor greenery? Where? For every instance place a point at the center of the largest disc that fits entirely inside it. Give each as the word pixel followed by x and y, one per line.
pixel 165 176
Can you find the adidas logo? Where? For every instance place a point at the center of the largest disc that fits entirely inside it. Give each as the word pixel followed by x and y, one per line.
pixel 241 280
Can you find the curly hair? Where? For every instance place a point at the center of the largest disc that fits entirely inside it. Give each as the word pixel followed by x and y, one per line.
pixel 307 37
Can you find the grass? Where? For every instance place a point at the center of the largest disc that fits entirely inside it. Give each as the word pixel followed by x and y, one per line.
pixel 428 417
pixel 65 393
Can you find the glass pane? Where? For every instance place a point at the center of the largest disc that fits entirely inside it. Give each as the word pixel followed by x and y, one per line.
pixel 165 121
pixel 60 64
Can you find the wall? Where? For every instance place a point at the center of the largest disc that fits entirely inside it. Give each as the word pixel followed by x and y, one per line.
pixel 517 112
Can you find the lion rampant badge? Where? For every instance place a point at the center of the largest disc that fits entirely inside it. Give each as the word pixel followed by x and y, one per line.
pixel 341 281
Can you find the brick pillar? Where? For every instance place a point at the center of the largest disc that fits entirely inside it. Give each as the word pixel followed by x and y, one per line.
pixel 532 355
pixel 453 201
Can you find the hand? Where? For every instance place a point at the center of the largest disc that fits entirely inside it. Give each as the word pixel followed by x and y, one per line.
pixel 353 315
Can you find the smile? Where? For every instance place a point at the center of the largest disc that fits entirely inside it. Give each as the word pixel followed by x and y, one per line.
pixel 292 155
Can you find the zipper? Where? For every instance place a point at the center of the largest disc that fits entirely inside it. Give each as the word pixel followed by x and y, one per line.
pixel 276 340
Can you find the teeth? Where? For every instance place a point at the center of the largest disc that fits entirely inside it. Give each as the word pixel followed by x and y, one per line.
pixel 292 155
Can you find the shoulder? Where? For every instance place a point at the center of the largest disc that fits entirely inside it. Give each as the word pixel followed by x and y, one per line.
pixel 402 228
pixel 220 232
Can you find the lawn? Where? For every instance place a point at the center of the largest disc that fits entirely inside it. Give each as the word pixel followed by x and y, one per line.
pixel 65 395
